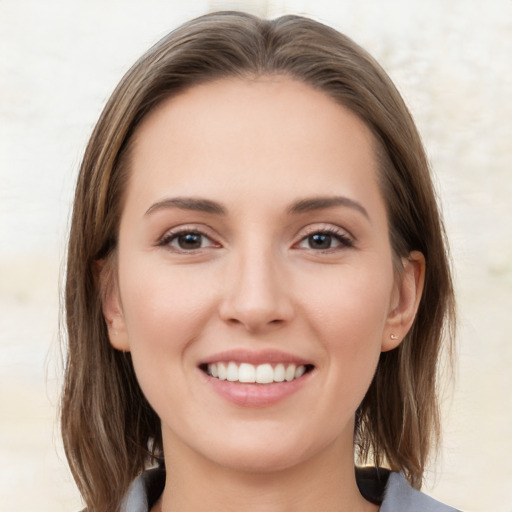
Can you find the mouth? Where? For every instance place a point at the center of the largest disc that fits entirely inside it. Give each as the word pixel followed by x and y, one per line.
pixel 258 379
pixel 247 373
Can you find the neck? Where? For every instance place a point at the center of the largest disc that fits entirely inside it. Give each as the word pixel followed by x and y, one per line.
pixel 326 482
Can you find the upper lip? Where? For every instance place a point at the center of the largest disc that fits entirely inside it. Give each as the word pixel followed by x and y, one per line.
pixel 255 357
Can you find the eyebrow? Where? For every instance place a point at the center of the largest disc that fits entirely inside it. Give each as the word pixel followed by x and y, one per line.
pixel 301 206
pixel 188 203
pixel 321 203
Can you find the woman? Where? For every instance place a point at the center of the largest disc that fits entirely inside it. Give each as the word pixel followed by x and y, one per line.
pixel 257 282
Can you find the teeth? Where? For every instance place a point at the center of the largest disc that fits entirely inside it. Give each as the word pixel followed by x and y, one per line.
pixel 249 373
pixel 279 373
pixel 264 374
pixel 290 373
pixel 299 372
pixel 223 371
pixel 232 372
pixel 246 373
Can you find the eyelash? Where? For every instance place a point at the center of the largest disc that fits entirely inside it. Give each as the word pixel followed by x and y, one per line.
pixel 171 236
pixel 340 235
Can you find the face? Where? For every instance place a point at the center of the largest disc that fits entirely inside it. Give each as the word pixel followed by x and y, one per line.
pixel 255 284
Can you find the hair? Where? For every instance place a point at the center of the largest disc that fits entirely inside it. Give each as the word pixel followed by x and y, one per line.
pixel 110 431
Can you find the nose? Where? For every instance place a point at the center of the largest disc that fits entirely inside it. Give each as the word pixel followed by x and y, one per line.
pixel 257 293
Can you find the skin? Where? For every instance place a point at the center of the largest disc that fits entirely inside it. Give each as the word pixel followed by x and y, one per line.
pixel 255 281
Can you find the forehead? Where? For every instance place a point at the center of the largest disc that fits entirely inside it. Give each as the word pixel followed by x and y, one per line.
pixel 261 134
pixel 260 103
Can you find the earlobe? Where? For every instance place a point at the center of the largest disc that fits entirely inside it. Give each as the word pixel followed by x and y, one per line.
pixel 409 289
pixel 111 304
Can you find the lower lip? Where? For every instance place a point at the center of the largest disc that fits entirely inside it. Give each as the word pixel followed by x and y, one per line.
pixel 255 395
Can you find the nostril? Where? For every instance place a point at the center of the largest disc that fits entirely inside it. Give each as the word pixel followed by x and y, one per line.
pixel 254 322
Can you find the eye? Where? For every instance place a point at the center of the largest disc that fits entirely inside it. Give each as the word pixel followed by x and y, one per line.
pixel 325 240
pixel 187 241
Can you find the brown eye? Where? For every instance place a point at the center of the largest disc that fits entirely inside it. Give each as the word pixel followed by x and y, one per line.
pixel 325 240
pixel 189 241
pixel 320 241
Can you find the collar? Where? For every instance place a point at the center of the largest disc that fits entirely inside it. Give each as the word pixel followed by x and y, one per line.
pixel 380 486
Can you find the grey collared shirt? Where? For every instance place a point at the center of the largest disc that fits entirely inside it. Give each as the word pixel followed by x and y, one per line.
pixel 392 490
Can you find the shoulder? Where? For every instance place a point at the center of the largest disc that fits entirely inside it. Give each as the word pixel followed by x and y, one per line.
pixel 399 496
pixel 393 492
pixel 144 491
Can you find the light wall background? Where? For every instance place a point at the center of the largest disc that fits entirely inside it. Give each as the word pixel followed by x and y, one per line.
pixel 59 61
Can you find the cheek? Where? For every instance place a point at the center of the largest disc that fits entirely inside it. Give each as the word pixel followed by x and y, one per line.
pixel 348 315
pixel 165 307
pixel 350 304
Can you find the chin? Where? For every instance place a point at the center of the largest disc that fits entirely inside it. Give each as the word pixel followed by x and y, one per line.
pixel 264 453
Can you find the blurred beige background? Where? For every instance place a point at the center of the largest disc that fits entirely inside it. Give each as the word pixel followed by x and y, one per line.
pixel 59 61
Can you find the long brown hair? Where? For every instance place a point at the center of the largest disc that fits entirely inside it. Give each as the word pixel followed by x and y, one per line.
pixel 110 431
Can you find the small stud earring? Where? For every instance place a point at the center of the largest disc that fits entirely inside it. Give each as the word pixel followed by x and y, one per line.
pixel 394 337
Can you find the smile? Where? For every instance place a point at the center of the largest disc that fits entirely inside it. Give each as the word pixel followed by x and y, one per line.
pixel 248 373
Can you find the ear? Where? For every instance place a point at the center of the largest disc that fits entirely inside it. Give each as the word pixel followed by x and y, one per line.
pixel 405 301
pixel 111 303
